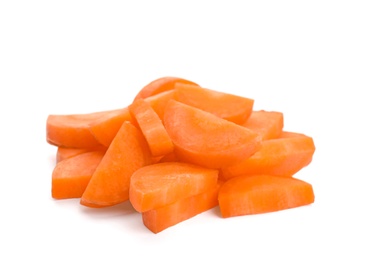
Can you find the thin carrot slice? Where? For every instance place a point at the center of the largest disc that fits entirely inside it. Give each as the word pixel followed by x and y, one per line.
pixel 71 130
pixel 268 124
pixel 160 85
pixel 109 184
pixel 262 194
pixel 152 128
pixel 207 140
pixel 65 152
pixel 71 176
pixel 162 218
pixel 224 105
pixel 106 127
pixel 160 184
pixel 283 156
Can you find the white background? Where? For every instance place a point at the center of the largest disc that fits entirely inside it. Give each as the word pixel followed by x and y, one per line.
pixel 303 58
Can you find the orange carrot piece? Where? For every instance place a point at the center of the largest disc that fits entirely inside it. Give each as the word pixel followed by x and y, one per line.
pixel 65 152
pixel 224 105
pixel 109 184
pixel 262 194
pixel 105 128
pixel 71 176
pixel 268 124
pixel 159 101
pixel 152 128
pixel 207 140
pixel 162 218
pixel 160 85
pixel 282 156
pixel 71 130
pixel 160 184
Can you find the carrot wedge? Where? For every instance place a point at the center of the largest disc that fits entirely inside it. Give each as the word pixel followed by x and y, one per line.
pixel 162 218
pixel 109 184
pixel 281 156
pixel 160 85
pixel 268 124
pixel 262 194
pixel 71 176
pixel 160 184
pixel 207 140
pixel 227 106
pixel 152 128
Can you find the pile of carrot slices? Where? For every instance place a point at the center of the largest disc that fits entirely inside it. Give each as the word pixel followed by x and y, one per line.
pixel 177 150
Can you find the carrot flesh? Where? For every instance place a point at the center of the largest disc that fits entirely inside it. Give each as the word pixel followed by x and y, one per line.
pixel 152 128
pixel 283 156
pixel 247 195
pixel 204 139
pixel 65 152
pixel 231 107
pixel 71 176
pixel 268 124
pixel 158 185
pixel 160 85
pixel 165 217
pixel 109 184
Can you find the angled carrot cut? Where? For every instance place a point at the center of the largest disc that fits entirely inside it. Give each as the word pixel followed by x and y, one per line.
pixel 71 176
pixel 162 218
pixel 204 139
pixel 268 124
pixel 152 128
pixel 224 105
pixel 160 85
pixel 109 184
pixel 262 194
pixel 283 156
pixel 158 185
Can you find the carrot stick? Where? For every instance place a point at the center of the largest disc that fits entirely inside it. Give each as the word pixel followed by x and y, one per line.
pixel 160 184
pixel 109 184
pixel 227 106
pixel 282 156
pixel 71 176
pixel 160 85
pixel 268 124
pixel 162 218
pixel 204 139
pixel 152 128
pixel 262 194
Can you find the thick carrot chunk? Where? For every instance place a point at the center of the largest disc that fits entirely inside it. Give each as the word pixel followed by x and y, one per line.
pixel 160 85
pixel 70 177
pixel 283 156
pixel 207 140
pixel 161 184
pixel 109 184
pixel 227 106
pixel 162 218
pixel 268 124
pixel 152 128
pixel 262 194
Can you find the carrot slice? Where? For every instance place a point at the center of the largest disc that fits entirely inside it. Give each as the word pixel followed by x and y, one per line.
pixel 71 176
pixel 283 156
pixel 160 184
pixel 65 152
pixel 160 85
pixel 72 130
pixel 262 194
pixel 152 128
pixel 207 140
pixel 162 218
pixel 109 184
pixel 224 105
pixel 268 124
